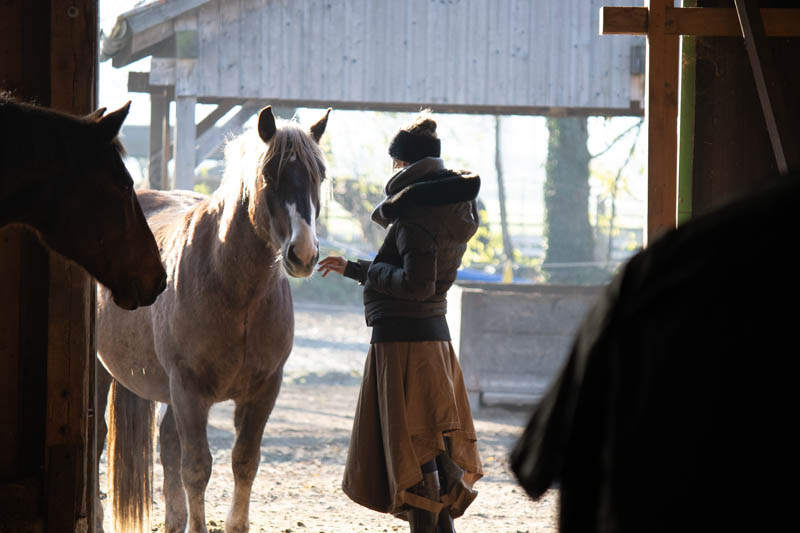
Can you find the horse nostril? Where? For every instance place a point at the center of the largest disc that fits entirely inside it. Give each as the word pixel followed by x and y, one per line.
pixel 163 284
pixel 292 256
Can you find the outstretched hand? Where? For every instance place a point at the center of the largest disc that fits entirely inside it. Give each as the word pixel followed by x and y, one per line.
pixel 332 263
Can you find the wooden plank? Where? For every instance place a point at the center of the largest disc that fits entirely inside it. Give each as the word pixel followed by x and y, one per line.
pixel 208 30
pixel 186 83
pixel 167 150
pixel 73 75
pixel 271 73
pixel 335 63
pixel 294 44
pixel 229 49
pixel 250 48
pixel 162 71
pixel 139 82
pixel 662 120
pixel 20 504
pixel 159 107
pixel 394 53
pixel 185 136
pixel 705 21
pixel 769 94
pixel 10 353
pixel 217 113
pixel 541 36
pixel 520 50
pixel 213 139
pixel 374 72
pixel 723 22
pixel 623 20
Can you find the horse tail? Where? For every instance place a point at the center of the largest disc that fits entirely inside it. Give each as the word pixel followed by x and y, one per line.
pixel 131 431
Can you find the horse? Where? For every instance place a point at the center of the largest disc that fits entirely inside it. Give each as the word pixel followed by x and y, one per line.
pixel 63 177
pixel 222 329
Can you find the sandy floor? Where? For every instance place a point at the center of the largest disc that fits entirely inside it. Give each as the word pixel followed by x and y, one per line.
pixel 305 446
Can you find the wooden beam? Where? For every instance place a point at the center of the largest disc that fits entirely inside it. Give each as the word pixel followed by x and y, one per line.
pixel 211 119
pixel 159 109
pixel 723 22
pixel 623 21
pixel 700 21
pixel 212 139
pixel 70 353
pixel 139 82
pixel 769 94
pixel 185 137
pixel 661 112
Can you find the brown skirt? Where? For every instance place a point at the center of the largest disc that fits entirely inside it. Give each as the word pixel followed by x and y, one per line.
pixel 412 407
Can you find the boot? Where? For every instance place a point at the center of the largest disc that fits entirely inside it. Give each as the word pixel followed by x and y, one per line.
pixel 420 520
pixel 445 524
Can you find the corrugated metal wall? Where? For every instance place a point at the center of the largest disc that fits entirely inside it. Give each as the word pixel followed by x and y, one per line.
pixel 461 54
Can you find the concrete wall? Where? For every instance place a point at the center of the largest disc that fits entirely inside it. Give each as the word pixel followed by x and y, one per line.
pixel 513 339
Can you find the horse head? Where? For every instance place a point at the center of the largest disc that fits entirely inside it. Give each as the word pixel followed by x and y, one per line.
pixel 92 215
pixel 292 173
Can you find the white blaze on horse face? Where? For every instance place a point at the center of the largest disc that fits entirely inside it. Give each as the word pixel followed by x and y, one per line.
pixel 304 235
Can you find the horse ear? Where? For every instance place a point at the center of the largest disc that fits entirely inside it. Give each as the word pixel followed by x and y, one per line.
pixel 266 124
pixel 319 128
pixel 111 123
pixel 96 115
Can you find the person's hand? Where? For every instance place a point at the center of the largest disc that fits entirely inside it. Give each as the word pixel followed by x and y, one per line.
pixel 332 263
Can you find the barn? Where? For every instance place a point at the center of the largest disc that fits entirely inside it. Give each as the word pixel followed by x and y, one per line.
pixel 736 109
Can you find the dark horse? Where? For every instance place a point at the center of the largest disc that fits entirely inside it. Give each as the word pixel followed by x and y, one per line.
pixel 63 176
pixel 222 330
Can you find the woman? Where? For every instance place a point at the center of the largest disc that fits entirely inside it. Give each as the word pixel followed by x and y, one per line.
pixel 413 451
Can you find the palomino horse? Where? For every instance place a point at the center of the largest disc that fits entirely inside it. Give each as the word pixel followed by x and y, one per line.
pixel 222 330
pixel 63 177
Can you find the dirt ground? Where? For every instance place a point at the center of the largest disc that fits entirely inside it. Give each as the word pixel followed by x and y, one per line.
pixel 305 443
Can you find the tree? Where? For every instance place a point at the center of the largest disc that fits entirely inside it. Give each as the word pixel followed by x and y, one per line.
pixel 570 243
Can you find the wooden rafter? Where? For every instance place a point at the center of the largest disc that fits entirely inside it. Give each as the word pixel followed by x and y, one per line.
pixel 663 23
pixel 705 21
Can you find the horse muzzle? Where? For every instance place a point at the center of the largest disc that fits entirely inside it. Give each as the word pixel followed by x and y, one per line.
pixel 295 266
pixel 132 295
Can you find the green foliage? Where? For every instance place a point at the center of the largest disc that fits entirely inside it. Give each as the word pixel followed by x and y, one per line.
pixel 485 247
pixel 360 197
pixel 202 187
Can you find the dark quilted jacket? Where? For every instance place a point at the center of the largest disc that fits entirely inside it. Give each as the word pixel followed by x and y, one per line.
pixel 432 220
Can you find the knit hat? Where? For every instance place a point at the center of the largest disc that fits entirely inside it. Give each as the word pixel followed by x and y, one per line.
pixel 416 141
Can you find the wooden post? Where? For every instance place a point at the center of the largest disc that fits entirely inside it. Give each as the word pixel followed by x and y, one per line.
pixel 185 140
pixel 159 113
pixel 661 112
pixel 186 46
pixel 71 349
pixel 166 149
pixel 663 23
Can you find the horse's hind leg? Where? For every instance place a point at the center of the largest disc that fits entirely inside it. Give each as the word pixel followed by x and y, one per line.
pixel 190 409
pixel 102 385
pixel 174 497
pixel 249 419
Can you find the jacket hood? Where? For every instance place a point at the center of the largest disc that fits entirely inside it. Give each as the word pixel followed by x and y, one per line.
pixel 438 188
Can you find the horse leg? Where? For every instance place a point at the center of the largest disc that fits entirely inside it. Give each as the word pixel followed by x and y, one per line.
pixel 249 420
pixel 191 416
pixel 102 385
pixel 174 497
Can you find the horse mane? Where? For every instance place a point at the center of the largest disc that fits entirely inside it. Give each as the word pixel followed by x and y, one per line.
pixel 247 160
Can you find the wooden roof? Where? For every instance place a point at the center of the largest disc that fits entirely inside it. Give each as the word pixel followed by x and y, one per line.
pixel 504 56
